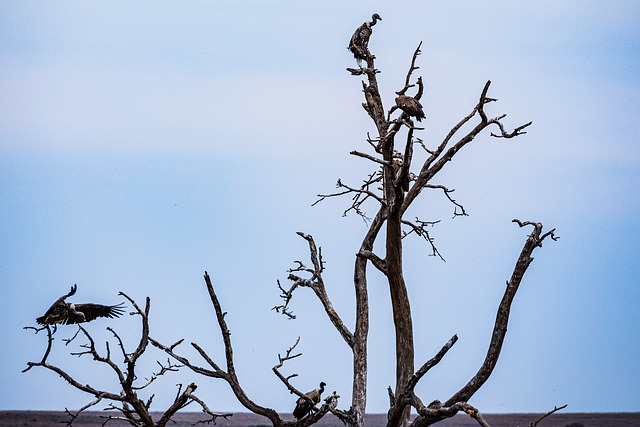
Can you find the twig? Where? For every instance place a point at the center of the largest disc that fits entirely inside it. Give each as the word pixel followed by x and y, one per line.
pixel 281 361
pixel 420 229
pixel 555 409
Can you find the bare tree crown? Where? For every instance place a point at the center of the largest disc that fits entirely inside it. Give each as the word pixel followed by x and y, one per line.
pixel 397 179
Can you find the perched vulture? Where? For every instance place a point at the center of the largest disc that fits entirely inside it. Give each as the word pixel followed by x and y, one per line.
pixel 360 39
pixel 411 106
pixel 69 313
pixel 303 406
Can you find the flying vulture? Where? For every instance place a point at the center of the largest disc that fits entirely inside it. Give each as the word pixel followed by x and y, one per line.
pixel 68 313
pixel 411 106
pixel 304 406
pixel 360 39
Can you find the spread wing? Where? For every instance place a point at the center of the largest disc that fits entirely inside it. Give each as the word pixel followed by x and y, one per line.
pixel 58 310
pixel 55 314
pixel 89 311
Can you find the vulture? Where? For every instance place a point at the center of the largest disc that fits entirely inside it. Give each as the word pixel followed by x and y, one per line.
pixel 304 406
pixel 68 313
pixel 411 106
pixel 360 39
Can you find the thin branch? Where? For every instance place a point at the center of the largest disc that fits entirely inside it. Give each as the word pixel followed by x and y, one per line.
pixel 431 363
pixel 43 361
pixel 440 157
pixel 73 416
pixel 412 68
pixel 555 409
pixel 447 192
pixel 169 367
pixel 120 344
pixel 504 134
pixel 406 396
pixel 420 229
pixel 214 415
pixel 368 157
pixel 230 375
pixel 216 373
pixel 286 295
pixel 316 283
pixel 360 195
pixel 285 380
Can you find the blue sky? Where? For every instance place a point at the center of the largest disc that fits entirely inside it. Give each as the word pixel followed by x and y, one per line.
pixel 141 145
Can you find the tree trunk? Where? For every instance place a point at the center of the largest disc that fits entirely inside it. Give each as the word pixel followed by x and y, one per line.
pixel 397 288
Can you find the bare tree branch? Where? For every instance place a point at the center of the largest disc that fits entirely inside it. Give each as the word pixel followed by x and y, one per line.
pixel 368 157
pixel 360 195
pixel 431 363
pixel 50 338
pixel 504 134
pixel 436 412
pixel 533 241
pixel 447 192
pixel 169 367
pixel 420 228
pixel 407 396
pixel 555 409
pixel 316 283
pixel 285 380
pixel 440 157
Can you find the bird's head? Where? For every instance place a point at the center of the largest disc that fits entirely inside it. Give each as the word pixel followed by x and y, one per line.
pixel 322 384
pixel 375 18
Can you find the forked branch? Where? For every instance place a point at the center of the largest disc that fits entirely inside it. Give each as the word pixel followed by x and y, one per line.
pixel 315 281
pixel 359 195
pixel 441 155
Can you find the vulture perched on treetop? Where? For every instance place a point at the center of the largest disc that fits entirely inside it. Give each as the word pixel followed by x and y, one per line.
pixel 303 406
pixel 68 313
pixel 411 106
pixel 360 39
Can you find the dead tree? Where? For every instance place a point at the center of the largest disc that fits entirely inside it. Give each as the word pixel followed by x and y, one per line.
pixel 132 408
pixel 392 187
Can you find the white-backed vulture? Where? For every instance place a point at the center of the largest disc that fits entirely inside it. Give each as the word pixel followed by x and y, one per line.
pixel 304 406
pixel 69 313
pixel 360 39
pixel 411 106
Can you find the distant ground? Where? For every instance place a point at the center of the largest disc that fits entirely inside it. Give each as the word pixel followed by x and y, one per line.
pixel 94 419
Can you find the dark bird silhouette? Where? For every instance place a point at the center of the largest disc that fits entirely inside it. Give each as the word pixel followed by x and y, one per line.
pixel 411 106
pixel 360 39
pixel 304 406
pixel 68 313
